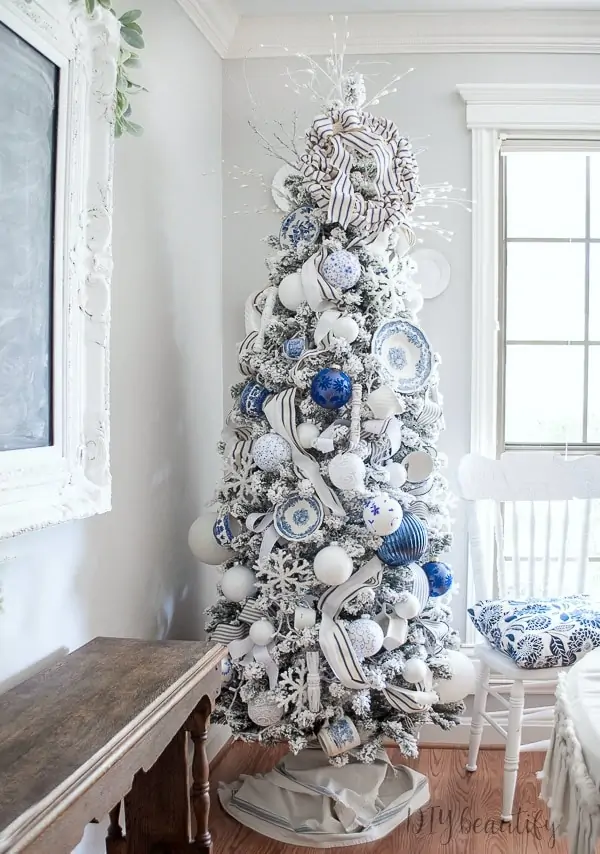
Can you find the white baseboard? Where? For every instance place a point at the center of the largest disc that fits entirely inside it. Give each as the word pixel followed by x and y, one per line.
pixel 459 736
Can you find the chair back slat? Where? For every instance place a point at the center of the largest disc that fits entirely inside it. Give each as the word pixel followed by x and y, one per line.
pixel 585 546
pixel 547 540
pixel 562 569
pixel 553 545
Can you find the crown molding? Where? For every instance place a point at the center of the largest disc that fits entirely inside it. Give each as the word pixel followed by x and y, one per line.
pixel 421 32
pixel 216 20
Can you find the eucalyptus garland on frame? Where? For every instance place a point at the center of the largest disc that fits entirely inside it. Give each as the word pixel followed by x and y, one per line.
pixel 132 40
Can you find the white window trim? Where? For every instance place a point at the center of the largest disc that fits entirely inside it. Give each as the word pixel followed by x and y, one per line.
pixel 493 113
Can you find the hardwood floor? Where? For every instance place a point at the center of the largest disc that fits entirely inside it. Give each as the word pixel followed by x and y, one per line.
pixel 462 816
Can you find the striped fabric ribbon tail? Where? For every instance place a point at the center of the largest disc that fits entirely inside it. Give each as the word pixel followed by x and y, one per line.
pixel 280 410
pixel 338 650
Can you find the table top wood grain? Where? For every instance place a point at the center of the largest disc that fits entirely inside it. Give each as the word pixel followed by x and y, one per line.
pixel 55 722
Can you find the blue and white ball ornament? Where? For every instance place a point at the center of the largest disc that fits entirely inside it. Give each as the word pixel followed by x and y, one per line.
pixel 293 348
pixel 331 388
pixel 226 671
pixel 271 451
pixel 406 544
pixel 341 269
pixel 382 515
pixel 252 399
pixel 440 577
pixel 366 637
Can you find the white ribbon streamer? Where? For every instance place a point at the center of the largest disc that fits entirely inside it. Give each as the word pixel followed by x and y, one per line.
pixel 262 523
pixel 318 293
pixel 248 650
pixel 280 410
pixel 339 652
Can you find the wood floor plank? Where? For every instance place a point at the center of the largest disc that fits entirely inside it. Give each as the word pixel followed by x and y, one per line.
pixel 462 816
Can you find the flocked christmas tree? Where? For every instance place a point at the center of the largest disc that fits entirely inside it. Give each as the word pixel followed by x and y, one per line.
pixel 332 521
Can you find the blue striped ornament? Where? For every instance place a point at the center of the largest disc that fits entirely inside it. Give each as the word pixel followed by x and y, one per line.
pixel 440 577
pixel 405 545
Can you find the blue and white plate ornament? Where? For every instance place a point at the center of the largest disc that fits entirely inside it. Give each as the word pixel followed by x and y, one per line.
pixel 406 544
pixel 226 671
pixel 331 388
pixel 252 399
pixel 226 527
pixel 440 577
pixel 294 348
pixel 405 351
pixel 300 227
pixel 298 517
pixel 341 269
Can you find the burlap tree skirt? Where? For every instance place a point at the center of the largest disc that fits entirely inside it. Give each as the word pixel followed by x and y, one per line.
pixel 306 801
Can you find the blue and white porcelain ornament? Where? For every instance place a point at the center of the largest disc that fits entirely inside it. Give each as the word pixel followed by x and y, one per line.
pixel 331 388
pixel 341 269
pixel 300 228
pixel 406 354
pixel 347 471
pixel 238 583
pixel 252 399
pixel 382 515
pixel 202 542
pixel 366 637
pixel 406 544
pixel 307 433
pixel 293 348
pixel 262 632
pixel 226 528
pixel 226 670
pixel 298 517
pixel 462 681
pixel 332 565
pixel 271 451
pixel 291 292
pixel 440 577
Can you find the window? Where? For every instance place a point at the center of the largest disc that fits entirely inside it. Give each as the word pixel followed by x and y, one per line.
pixel 549 293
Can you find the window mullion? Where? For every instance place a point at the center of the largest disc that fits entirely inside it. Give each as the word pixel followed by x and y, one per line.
pixel 586 347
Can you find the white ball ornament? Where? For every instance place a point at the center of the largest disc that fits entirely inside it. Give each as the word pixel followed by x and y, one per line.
pixel 262 632
pixel 271 451
pixel 202 541
pixel 397 473
pixel 347 471
pixel 307 433
pixel 382 515
pixel 415 670
pixel 332 565
pixel 291 292
pixel 408 606
pixel 238 583
pixel 462 681
pixel 346 327
pixel 264 711
pixel 366 637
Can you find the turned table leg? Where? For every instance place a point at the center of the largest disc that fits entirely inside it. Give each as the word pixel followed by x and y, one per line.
pixel 198 726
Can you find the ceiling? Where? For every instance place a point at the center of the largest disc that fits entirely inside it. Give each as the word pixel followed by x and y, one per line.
pixel 257 8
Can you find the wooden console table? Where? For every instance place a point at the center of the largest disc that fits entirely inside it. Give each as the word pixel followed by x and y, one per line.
pixel 110 724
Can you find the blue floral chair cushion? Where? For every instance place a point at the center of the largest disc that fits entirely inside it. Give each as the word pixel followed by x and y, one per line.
pixel 539 632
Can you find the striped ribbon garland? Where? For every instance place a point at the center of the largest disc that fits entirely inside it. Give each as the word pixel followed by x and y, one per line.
pixel 339 652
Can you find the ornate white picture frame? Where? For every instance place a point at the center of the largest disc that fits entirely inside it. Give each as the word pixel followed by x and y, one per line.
pixel 69 477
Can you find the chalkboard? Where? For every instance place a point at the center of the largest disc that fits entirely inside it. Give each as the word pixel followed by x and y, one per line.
pixel 28 120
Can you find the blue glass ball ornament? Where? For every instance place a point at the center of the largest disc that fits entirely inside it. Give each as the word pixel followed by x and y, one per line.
pixel 331 388
pixel 252 399
pixel 341 269
pixel 406 544
pixel 440 577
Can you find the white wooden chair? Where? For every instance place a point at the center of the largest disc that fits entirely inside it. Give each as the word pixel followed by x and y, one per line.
pixel 529 523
